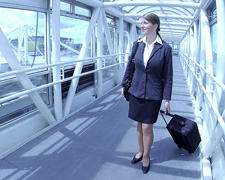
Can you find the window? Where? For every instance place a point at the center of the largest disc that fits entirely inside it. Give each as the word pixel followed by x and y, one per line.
pixel 125 40
pixel 214 36
pixel 25 33
pixel 65 6
pixel 82 11
pixel 212 16
pixel 72 35
pixel 21 105
pixel 108 73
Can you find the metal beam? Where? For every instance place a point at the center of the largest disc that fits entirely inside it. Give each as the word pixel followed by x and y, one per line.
pixel 152 3
pixel 171 23
pixel 172 28
pixel 99 52
pixel 56 58
pixel 172 31
pixel 161 16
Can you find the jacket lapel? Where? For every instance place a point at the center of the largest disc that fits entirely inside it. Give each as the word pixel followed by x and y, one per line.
pixel 156 47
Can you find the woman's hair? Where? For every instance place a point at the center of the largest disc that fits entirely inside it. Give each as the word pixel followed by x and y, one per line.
pixel 154 19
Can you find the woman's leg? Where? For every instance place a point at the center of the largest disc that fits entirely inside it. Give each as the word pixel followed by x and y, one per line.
pixel 140 140
pixel 148 137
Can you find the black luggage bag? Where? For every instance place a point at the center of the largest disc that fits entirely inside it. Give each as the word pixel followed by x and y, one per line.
pixel 183 131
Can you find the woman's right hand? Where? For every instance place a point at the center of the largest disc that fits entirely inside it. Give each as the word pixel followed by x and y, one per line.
pixel 122 92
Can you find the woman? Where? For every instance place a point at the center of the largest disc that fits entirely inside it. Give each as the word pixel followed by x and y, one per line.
pixel 151 83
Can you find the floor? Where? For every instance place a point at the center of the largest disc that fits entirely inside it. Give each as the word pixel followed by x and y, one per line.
pixel 98 143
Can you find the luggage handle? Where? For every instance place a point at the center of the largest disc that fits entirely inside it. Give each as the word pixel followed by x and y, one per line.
pixel 181 123
pixel 162 112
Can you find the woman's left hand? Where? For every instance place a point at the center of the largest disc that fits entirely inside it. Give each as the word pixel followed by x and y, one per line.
pixel 167 107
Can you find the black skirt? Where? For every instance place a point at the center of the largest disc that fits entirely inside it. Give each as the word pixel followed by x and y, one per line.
pixel 143 110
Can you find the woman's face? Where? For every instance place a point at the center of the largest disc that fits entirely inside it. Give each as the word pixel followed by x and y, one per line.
pixel 147 27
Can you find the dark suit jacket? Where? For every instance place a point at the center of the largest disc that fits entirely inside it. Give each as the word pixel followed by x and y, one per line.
pixel 155 81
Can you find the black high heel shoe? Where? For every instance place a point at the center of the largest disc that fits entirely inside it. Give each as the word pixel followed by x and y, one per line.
pixel 135 160
pixel 146 169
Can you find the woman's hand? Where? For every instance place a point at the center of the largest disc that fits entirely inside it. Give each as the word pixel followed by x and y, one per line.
pixel 122 92
pixel 167 107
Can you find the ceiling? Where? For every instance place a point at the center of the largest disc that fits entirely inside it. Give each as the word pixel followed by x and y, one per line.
pixel 176 16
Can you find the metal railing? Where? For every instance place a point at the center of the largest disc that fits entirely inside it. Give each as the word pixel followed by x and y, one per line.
pixel 61 65
pixel 205 88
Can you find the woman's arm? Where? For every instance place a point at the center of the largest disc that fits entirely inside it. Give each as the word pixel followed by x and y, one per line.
pixel 168 74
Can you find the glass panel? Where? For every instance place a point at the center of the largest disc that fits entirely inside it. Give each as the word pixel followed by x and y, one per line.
pixel 110 21
pixel 105 45
pixel 214 32
pixel 19 106
pixel 214 13
pixel 108 73
pixel 125 40
pixel 82 11
pixel 25 33
pixel 65 6
pixel 72 35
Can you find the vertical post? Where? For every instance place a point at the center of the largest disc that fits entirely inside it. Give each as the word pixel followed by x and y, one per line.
pixel 198 56
pixel 20 40
pixel 120 46
pixel 99 52
pixel 195 46
pixel 188 54
pixel 26 44
pixel 191 77
pixel 207 46
pixel 56 58
pixel 203 50
pixel 47 44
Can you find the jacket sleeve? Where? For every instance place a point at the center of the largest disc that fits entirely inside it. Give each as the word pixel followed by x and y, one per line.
pixel 168 74
pixel 128 68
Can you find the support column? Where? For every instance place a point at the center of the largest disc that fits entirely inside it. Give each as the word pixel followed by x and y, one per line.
pixel 56 58
pixel 207 47
pixel 120 47
pixel 195 50
pixel 99 52
pixel 47 45
pixel 198 57
pixel 26 44
pixel 191 77
pixel 20 40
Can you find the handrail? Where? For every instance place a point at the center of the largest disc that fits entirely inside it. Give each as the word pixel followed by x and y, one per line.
pixel 57 64
pixel 219 117
pixel 207 73
pixel 2 100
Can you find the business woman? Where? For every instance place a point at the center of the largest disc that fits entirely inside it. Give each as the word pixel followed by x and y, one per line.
pixel 151 84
